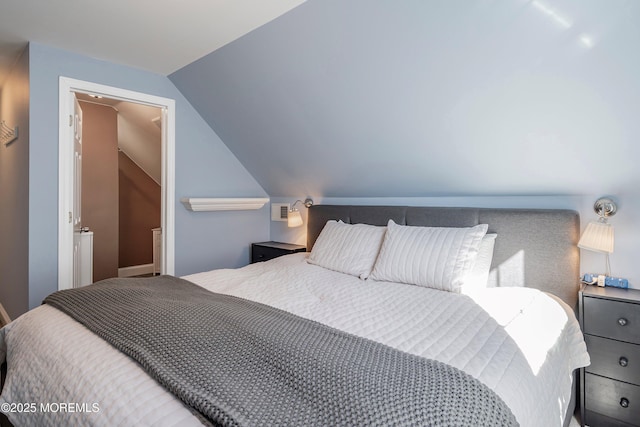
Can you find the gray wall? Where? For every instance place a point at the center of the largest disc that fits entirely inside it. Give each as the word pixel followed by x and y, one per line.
pixel 139 212
pixel 14 191
pixel 204 168
pixel 100 189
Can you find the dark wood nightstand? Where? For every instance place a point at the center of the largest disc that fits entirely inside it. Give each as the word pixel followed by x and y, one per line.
pixel 610 386
pixel 265 251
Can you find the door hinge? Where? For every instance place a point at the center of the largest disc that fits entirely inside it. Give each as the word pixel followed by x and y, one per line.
pixel 70 120
pixel 70 217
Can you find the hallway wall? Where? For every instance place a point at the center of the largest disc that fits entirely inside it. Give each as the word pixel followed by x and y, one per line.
pixel 100 186
pixel 139 212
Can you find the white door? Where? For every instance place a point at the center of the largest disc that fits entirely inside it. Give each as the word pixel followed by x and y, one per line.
pixel 77 193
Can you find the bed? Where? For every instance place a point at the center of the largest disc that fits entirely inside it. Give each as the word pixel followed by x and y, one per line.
pixel 531 292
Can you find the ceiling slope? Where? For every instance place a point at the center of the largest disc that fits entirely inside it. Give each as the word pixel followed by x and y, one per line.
pixel 429 97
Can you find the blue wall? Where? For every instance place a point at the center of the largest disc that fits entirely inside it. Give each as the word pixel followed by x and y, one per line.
pixel 380 102
pixel 204 168
pixel 380 98
pixel 425 100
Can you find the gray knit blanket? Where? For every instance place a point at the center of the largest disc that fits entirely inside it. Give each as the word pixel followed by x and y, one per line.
pixel 236 362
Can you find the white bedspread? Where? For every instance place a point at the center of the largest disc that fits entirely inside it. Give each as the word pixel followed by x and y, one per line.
pixel 522 343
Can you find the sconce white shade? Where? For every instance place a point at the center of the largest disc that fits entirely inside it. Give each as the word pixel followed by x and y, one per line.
pixel 597 237
pixel 294 219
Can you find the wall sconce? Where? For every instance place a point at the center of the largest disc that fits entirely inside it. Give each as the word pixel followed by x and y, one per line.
pixel 294 218
pixel 598 236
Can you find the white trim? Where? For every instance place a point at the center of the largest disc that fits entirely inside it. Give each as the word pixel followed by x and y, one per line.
pixel 65 179
pixel 135 270
pixel 219 204
pixel 65 188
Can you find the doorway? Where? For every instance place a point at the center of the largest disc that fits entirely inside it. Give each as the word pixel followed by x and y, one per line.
pixel 120 188
pixel 70 90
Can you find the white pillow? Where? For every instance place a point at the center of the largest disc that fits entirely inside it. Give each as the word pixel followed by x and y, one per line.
pixel 347 248
pixel 433 257
pixel 479 276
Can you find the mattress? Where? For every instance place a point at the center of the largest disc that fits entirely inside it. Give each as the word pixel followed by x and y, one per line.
pixel 522 343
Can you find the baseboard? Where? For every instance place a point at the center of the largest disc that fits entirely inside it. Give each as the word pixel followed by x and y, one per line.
pixel 135 270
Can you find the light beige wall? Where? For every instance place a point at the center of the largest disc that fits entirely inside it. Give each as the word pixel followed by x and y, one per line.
pixel 100 186
pixel 14 192
pixel 140 199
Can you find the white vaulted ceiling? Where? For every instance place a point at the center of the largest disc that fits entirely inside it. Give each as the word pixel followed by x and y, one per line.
pixel 158 36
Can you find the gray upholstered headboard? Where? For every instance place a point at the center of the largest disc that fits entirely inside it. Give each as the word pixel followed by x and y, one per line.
pixel 535 247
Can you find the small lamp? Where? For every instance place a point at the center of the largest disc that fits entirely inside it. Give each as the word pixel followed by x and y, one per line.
pixel 294 218
pixel 598 236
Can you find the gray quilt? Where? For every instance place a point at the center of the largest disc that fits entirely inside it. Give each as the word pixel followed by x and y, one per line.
pixel 240 363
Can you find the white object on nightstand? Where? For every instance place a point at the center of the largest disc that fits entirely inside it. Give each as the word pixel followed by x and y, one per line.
pixel 598 236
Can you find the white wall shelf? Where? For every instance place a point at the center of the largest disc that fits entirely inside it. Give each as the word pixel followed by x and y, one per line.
pixel 220 204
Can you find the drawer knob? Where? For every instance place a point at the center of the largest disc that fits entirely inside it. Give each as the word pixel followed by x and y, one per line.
pixel 623 362
pixel 624 402
pixel 622 321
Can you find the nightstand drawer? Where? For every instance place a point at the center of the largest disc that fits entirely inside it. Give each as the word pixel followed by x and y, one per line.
pixel 264 251
pixel 614 359
pixel 609 397
pixel 612 319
